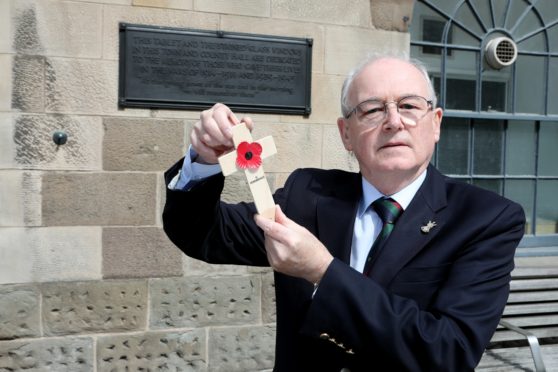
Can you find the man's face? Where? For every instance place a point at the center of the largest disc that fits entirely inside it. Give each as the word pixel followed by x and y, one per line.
pixel 392 148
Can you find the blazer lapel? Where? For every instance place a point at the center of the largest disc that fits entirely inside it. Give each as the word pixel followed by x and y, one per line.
pixel 407 239
pixel 336 216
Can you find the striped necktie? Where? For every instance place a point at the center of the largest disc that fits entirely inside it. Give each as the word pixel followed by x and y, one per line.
pixel 389 211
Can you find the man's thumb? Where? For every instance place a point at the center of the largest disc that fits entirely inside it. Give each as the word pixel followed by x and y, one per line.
pixel 280 217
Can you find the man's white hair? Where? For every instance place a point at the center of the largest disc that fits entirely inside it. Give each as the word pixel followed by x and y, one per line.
pixel 345 108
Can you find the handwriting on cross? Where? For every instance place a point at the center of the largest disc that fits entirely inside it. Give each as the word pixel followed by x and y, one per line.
pixel 248 156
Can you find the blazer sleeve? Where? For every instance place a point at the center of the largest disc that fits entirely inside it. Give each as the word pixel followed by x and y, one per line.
pixel 205 228
pixel 450 333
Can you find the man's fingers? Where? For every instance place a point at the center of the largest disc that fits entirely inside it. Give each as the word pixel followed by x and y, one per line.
pixel 273 229
pixel 214 126
pixel 248 121
pixel 264 223
pixel 281 223
pixel 282 218
pixel 225 119
pixel 208 154
pixel 211 136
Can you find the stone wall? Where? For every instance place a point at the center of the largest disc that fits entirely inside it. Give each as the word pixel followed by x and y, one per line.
pixel 88 280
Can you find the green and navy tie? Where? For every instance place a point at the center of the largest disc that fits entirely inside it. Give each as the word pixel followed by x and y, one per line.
pixel 389 211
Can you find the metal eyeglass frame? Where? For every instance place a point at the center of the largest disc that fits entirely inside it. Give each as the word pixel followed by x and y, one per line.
pixel 407 120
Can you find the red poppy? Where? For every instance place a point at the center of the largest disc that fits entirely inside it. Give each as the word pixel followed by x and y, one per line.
pixel 248 155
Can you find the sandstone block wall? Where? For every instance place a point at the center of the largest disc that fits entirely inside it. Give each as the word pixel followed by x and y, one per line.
pixel 88 279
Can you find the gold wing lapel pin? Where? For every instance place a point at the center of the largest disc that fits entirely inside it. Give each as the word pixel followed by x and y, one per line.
pixel 429 226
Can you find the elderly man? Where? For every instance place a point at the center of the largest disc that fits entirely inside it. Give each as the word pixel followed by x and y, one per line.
pixel 394 268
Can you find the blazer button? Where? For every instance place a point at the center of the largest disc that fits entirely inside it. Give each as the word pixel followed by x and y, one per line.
pixel 324 336
pixel 344 370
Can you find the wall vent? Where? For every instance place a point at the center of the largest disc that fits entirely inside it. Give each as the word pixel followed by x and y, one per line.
pixel 500 52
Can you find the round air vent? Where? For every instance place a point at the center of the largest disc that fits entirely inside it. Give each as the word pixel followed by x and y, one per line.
pixel 500 52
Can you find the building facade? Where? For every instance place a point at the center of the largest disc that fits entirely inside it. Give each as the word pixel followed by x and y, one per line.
pixel 495 66
pixel 89 281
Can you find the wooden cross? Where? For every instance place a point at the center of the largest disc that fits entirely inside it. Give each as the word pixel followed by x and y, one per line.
pixel 230 163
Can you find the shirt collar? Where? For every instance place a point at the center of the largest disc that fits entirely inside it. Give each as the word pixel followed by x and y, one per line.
pixel 403 197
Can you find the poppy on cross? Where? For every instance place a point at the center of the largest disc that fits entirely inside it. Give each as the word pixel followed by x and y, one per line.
pixel 248 156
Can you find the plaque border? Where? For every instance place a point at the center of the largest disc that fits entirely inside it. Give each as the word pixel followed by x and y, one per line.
pixel 125 101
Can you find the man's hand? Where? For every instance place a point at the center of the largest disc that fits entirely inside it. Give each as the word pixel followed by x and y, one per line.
pixel 211 136
pixel 292 249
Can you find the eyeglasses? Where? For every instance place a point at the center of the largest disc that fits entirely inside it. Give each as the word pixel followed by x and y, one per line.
pixel 373 112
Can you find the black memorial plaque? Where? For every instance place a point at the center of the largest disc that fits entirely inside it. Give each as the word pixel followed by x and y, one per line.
pixel 192 69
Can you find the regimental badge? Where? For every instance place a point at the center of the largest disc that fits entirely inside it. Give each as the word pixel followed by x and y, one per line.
pixel 429 226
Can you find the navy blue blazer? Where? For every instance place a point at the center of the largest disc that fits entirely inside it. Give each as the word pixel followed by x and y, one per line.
pixel 432 302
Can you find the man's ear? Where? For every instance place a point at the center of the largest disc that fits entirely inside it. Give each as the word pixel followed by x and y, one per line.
pixel 437 122
pixel 343 126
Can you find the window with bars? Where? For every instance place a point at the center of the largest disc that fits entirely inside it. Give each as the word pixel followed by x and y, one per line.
pixel 515 158
pixel 432 30
pixel 494 64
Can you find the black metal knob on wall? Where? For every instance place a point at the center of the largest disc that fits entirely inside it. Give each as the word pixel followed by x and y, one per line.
pixel 60 137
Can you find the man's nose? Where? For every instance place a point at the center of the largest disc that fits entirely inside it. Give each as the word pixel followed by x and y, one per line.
pixel 393 117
